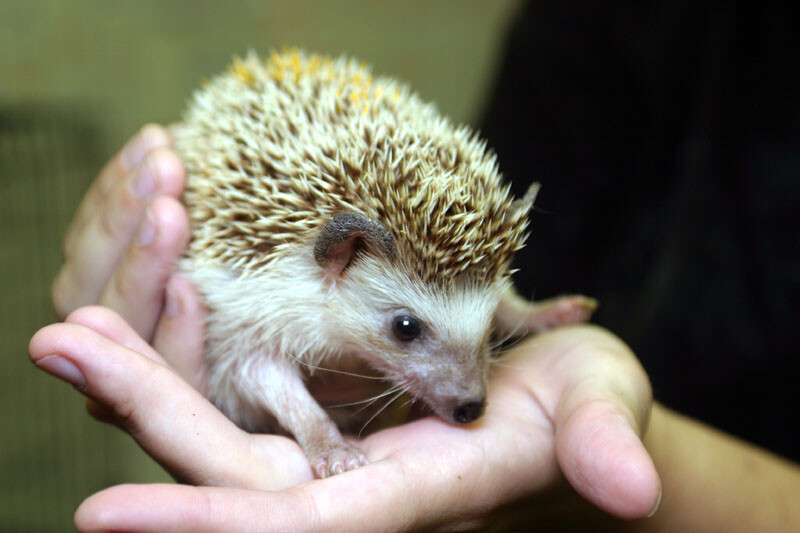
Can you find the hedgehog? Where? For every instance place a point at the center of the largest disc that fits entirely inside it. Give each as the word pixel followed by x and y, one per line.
pixel 339 222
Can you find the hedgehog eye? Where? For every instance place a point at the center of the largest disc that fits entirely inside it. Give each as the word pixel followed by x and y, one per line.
pixel 406 328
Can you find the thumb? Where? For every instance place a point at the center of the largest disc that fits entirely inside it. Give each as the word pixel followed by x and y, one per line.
pixel 600 417
pixel 601 454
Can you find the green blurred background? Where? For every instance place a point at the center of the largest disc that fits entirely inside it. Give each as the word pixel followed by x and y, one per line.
pixel 78 78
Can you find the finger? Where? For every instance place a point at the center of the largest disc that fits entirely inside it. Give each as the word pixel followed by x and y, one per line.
pixel 118 168
pixel 101 413
pixel 167 417
pixel 599 398
pixel 180 508
pixel 180 334
pixel 147 139
pixel 600 452
pixel 109 324
pixel 102 232
pixel 326 505
pixel 136 288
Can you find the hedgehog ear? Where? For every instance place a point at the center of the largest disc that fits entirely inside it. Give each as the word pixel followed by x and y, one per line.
pixel 346 234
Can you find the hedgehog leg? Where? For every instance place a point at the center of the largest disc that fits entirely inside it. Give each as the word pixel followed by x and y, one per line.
pixel 517 317
pixel 276 385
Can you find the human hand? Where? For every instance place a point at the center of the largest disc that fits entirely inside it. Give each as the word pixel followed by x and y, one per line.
pixel 120 252
pixel 573 401
pixel 122 246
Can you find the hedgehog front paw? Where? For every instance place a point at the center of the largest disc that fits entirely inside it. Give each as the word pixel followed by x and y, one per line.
pixel 336 459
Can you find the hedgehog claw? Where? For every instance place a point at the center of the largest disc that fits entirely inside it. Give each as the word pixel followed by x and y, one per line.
pixel 337 459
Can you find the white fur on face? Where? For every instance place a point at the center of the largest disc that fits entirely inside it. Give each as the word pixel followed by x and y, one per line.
pixel 448 364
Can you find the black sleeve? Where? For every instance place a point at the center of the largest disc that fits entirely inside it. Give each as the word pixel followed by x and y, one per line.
pixel 666 135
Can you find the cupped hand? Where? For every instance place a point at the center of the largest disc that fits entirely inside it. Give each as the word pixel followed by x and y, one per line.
pixel 571 402
pixel 120 252
pixel 122 246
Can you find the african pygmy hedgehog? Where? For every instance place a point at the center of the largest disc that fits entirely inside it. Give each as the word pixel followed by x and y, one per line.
pixel 337 218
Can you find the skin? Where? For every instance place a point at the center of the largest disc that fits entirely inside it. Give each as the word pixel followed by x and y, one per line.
pixel 567 410
pixel 714 482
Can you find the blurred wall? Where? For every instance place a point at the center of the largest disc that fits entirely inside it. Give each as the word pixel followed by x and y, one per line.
pixel 76 79
pixel 138 61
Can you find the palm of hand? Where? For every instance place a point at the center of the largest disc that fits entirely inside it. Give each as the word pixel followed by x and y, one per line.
pixel 570 401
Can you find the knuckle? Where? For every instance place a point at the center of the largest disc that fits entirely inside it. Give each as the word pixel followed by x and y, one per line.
pixel 131 405
pixel 124 410
pixel 112 215
pixel 137 284
pixel 123 283
pixel 137 277
pixel 101 190
pixel 119 210
pixel 99 412
pixel 107 222
pixel 126 403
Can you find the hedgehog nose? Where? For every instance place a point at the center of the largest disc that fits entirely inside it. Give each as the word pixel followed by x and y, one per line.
pixel 467 412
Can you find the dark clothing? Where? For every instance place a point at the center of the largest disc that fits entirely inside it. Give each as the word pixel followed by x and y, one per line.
pixel 666 135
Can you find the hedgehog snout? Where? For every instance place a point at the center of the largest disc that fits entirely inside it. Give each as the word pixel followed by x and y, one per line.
pixel 460 410
pixel 462 404
pixel 469 411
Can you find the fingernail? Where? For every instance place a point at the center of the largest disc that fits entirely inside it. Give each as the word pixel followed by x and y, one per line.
pixel 144 184
pixel 63 369
pixel 657 505
pixel 147 233
pixel 135 151
pixel 174 304
pixel 167 165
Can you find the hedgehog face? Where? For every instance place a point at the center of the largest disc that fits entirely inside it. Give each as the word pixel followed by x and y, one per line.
pixel 433 341
pixel 446 366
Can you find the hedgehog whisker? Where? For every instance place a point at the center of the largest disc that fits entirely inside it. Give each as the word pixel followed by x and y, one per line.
pixel 382 409
pixel 367 406
pixel 411 400
pixel 369 401
pixel 335 371
pixel 495 345
pixel 513 334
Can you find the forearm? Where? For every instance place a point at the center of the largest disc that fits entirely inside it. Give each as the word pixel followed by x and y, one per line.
pixel 714 482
